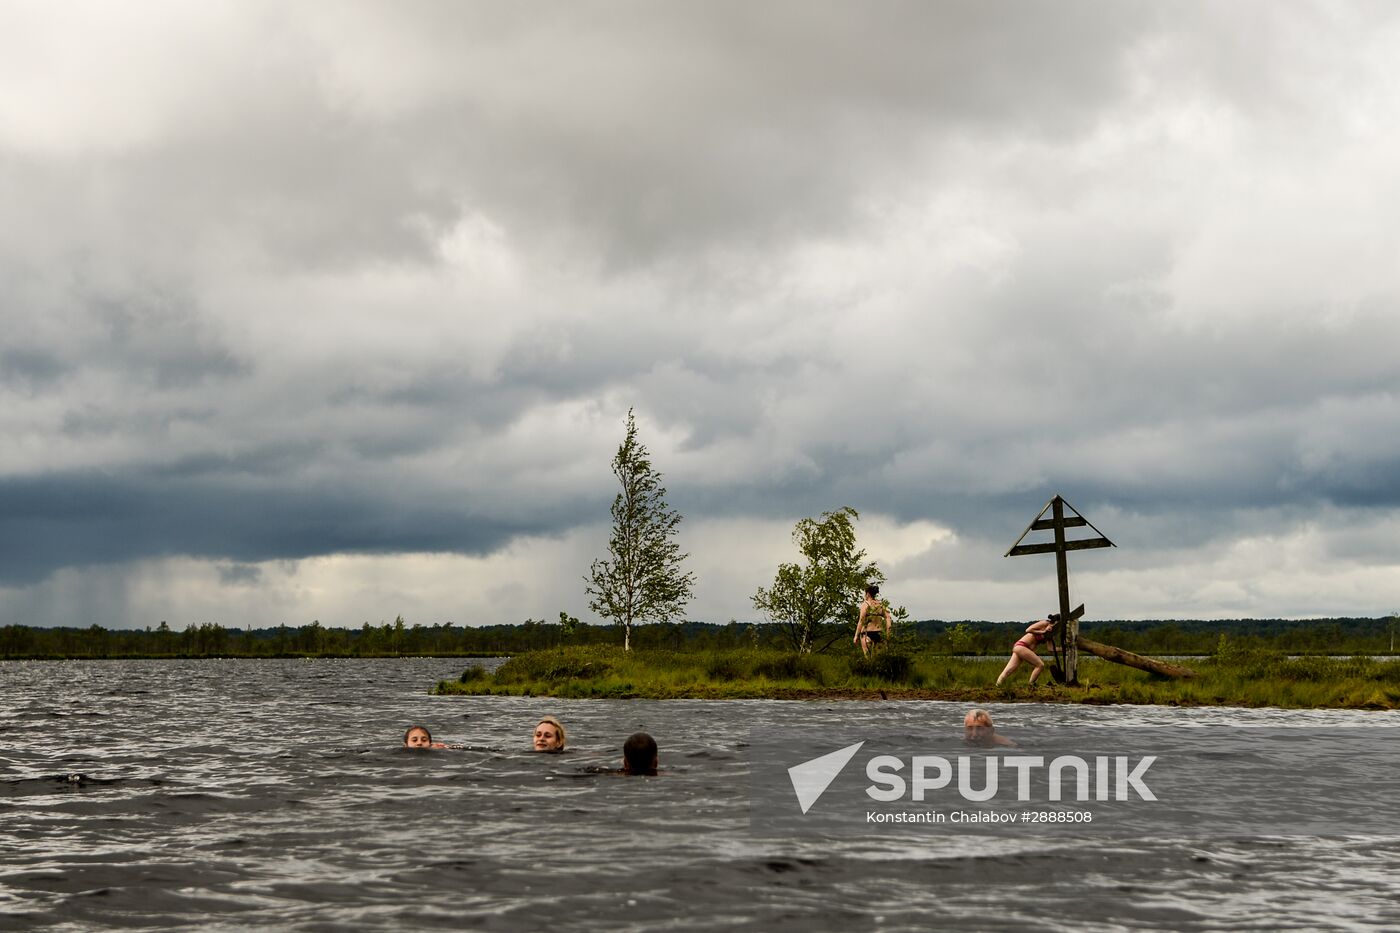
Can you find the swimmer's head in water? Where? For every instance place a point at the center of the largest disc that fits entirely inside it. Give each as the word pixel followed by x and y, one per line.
pixel 639 754
pixel 549 735
pixel 417 737
pixel 977 725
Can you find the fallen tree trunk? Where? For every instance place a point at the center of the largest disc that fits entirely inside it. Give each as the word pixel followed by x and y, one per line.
pixel 1119 656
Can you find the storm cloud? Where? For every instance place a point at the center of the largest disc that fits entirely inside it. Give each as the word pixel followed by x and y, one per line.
pixel 336 310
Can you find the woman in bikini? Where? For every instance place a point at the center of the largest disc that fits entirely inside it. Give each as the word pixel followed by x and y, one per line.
pixel 1024 649
pixel 873 626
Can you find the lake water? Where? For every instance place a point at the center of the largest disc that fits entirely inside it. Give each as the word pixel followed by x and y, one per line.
pixel 273 795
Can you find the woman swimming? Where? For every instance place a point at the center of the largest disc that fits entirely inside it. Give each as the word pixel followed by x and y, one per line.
pixel 417 737
pixel 549 735
pixel 1024 649
pixel 873 626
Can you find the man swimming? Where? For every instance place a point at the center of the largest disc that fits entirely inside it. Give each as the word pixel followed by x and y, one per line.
pixel 639 754
pixel 978 730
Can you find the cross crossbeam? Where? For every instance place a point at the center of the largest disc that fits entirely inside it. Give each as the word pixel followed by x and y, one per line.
pixel 1067 634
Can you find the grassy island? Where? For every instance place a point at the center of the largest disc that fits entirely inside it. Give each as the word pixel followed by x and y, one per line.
pixel 1250 678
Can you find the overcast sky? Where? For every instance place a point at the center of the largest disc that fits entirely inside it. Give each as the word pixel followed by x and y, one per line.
pixel 335 310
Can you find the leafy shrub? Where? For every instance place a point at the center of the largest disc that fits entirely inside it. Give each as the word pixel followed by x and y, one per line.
pixel 789 667
pixel 726 668
pixel 474 673
pixel 883 665
pixel 554 666
pixel 1386 672
pixel 1247 660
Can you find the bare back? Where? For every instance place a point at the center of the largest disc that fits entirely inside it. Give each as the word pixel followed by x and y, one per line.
pixel 874 621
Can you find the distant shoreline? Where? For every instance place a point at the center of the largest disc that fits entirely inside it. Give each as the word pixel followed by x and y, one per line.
pixel 487 655
pixel 254 657
pixel 1160 638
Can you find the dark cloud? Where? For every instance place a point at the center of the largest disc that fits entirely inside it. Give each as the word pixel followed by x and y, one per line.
pixel 76 520
pixel 673 131
pixel 350 279
pixel 240 574
pixel 30 370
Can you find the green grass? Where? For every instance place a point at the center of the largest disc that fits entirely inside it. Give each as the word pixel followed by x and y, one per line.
pixel 1230 678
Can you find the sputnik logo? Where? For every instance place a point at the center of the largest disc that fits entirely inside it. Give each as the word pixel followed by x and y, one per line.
pixel 811 778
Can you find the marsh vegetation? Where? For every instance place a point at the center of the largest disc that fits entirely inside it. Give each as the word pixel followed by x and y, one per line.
pixel 1233 676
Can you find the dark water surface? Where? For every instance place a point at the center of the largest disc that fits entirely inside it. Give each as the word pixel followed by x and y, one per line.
pixel 273 795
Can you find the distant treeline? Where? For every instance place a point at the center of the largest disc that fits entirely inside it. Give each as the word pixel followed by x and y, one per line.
pixel 398 639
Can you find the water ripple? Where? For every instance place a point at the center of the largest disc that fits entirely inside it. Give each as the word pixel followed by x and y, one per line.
pixel 247 794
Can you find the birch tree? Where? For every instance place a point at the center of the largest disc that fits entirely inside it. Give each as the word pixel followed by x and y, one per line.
pixel 642 578
pixel 805 600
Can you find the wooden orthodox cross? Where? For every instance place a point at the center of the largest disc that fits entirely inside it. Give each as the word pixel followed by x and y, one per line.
pixel 1066 636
